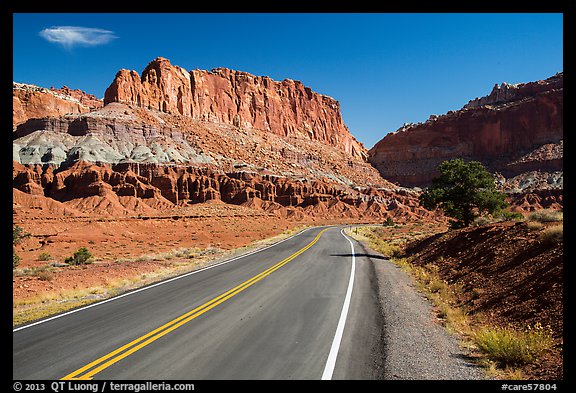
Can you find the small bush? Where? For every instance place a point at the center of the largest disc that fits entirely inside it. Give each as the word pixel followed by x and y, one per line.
pixel 389 222
pixel 80 257
pixel 482 220
pixel 510 216
pixel 44 257
pixel 509 347
pixel 18 234
pixel 15 259
pixel 43 273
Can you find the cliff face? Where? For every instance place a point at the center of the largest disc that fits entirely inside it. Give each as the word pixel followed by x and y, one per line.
pixel 31 102
pixel 286 108
pixel 506 130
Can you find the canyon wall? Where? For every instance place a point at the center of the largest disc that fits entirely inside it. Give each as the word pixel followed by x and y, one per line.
pixel 515 128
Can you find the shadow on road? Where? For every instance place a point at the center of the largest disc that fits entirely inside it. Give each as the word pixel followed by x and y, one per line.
pixel 373 256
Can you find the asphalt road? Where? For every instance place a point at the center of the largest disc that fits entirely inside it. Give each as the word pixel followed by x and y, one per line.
pixel 304 308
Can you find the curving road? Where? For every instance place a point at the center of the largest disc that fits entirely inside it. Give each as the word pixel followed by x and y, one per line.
pixel 304 308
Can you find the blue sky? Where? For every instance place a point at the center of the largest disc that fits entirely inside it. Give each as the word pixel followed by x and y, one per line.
pixel 385 69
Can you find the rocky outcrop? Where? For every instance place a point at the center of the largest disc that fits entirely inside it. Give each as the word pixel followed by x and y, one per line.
pixel 33 102
pixel 506 92
pixel 509 131
pixel 152 185
pixel 286 108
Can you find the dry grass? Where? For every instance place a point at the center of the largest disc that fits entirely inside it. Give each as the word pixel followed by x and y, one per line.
pixel 553 234
pixel 182 260
pixel 509 347
pixel 546 215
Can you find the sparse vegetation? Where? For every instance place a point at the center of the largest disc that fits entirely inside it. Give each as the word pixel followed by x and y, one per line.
pixel 553 234
pixel 44 257
pixel 18 236
pixel 47 303
pixel 81 257
pixel 502 351
pixel 15 259
pixel 546 215
pixel 498 216
pixel 44 274
pixel 534 225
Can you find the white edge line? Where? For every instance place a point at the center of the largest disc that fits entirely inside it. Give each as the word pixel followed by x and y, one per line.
pixel 331 362
pixel 157 284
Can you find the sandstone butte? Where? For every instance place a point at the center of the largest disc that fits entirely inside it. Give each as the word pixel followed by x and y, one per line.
pixel 515 129
pixel 236 98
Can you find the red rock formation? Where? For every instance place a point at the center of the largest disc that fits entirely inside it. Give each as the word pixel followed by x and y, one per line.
pixel 238 98
pixel 86 99
pixel 495 132
pixel 118 187
pixel 31 102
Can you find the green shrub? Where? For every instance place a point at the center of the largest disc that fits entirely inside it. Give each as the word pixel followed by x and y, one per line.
pixel 80 257
pixel 389 222
pixel 15 258
pixel 18 235
pixel 510 216
pixel 44 257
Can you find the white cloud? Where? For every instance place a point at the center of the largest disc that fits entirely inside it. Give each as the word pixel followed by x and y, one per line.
pixel 69 36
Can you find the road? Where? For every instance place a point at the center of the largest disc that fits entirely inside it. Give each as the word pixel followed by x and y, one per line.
pixel 303 308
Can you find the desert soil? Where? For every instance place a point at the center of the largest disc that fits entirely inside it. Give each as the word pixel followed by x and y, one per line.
pixel 129 251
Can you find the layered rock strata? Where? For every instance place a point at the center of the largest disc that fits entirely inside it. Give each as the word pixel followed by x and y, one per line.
pixel 119 133
pixel 152 188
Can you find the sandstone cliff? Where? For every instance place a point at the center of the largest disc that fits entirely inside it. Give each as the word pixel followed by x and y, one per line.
pixel 516 128
pixel 31 102
pixel 286 108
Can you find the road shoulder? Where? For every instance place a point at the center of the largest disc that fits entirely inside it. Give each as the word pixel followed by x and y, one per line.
pixel 415 346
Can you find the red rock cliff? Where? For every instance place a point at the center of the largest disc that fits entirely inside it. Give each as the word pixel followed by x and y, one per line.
pixel 499 130
pixel 31 102
pixel 238 98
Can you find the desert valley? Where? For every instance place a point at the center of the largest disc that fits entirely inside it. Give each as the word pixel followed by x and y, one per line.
pixel 175 169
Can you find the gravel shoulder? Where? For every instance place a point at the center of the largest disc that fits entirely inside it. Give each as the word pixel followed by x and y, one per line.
pixel 415 346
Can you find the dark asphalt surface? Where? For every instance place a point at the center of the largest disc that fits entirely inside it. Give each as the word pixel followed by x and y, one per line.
pixel 280 327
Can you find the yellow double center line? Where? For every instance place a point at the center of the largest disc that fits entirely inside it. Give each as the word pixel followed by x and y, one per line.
pixel 89 370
